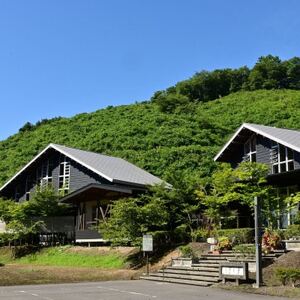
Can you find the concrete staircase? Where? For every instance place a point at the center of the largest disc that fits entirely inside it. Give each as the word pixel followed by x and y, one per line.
pixel 204 272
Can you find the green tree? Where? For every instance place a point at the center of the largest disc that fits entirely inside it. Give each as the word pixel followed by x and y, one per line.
pixel 230 185
pixel 25 218
pixel 292 73
pixel 130 218
pixel 268 73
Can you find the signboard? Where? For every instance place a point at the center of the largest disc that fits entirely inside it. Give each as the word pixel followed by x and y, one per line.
pixel 234 270
pixel 147 243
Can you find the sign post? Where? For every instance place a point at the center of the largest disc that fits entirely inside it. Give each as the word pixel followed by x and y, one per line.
pixel 147 247
pixel 258 256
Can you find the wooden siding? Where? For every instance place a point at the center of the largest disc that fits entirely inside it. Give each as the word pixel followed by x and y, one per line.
pixel 81 176
pixel 263 148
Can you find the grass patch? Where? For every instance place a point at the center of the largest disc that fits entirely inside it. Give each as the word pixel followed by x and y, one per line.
pixel 60 256
pixel 5 255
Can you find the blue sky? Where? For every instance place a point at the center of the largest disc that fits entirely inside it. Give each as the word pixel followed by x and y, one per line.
pixel 63 57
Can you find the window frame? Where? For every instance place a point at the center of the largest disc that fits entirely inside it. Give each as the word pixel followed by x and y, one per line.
pixel 279 163
pixel 251 153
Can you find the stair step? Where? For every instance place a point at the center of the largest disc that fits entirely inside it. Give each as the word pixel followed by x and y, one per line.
pixel 185 277
pixel 180 281
pixel 215 273
pixel 213 259
pixel 201 268
pixel 206 264
pixel 191 270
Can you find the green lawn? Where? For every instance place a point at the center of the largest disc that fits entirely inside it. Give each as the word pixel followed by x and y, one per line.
pixel 65 257
pixel 61 256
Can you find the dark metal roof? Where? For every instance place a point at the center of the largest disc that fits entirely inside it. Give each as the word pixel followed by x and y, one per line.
pixel 287 137
pixel 113 169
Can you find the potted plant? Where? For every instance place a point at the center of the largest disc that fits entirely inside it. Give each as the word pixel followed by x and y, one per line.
pixel 292 237
pixel 224 243
pixel 270 240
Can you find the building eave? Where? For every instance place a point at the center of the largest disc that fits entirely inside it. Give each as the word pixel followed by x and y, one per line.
pixel 257 131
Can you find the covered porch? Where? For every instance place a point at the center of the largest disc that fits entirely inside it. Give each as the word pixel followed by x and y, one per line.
pixel 92 204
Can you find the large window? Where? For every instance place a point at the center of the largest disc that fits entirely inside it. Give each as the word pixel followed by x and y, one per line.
pixel 46 173
pixel 30 182
pixel 285 214
pixel 64 175
pixel 282 158
pixel 250 150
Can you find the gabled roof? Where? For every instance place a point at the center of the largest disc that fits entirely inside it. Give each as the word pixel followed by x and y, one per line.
pixel 287 137
pixel 114 169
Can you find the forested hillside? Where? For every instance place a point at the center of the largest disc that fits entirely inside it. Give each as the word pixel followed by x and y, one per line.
pixel 184 140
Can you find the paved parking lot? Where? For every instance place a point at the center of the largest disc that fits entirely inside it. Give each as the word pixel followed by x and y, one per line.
pixel 117 290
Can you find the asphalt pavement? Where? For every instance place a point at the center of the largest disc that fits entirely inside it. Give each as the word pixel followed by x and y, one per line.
pixel 122 290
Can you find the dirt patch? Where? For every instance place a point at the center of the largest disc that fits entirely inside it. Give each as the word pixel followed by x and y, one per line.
pixel 165 260
pixel 199 248
pixel 288 260
pixel 123 251
pixel 23 274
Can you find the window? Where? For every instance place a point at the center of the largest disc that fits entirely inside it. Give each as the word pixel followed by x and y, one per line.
pixel 45 173
pixel 29 186
pixel 285 215
pixel 64 175
pixel 250 150
pixel 282 158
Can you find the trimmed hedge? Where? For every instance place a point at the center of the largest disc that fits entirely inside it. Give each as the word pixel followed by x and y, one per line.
pixel 238 235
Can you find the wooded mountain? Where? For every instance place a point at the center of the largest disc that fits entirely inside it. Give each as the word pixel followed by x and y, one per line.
pixel 183 141
pixel 180 129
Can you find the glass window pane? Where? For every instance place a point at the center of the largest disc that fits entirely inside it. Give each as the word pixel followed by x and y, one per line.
pixel 61 182
pixel 282 153
pixel 290 154
pixel 275 169
pixel 253 157
pixel 61 169
pixel 253 144
pixel 290 165
pixel 283 167
pixel 247 148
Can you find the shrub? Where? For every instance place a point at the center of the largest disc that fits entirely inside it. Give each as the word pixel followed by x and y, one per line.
pixel 293 231
pixel 244 249
pixel 288 275
pixel 271 240
pixel 200 235
pixel 181 234
pixel 187 251
pixel 161 240
pixel 237 235
pixel 224 243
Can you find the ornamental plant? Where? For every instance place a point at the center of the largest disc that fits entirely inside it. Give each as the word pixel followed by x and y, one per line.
pixel 270 240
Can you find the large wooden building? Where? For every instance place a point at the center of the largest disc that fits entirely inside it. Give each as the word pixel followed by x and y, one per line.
pixel 89 181
pixel 278 148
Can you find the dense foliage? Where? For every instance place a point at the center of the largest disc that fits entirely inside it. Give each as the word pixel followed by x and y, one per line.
pixel 24 219
pixel 173 209
pixel 165 144
pixel 174 136
pixel 268 73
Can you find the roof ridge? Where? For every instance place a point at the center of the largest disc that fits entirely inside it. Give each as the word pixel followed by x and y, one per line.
pixel 89 151
pixel 289 129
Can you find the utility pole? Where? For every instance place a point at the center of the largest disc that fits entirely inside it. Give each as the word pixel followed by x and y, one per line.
pixel 258 253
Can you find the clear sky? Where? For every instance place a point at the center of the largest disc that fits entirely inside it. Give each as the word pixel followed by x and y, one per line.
pixel 63 57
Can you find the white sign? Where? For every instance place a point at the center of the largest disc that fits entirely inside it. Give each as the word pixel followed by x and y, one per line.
pixel 233 271
pixel 147 243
